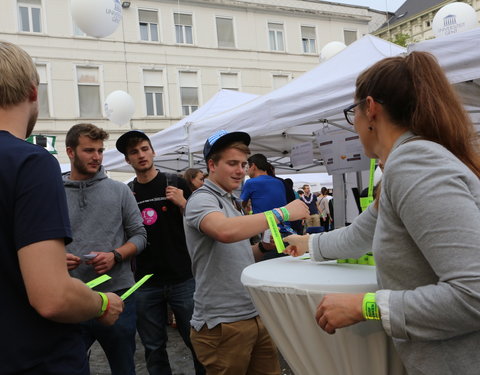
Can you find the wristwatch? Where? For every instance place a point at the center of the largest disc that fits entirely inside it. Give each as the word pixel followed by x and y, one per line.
pixel 261 248
pixel 117 256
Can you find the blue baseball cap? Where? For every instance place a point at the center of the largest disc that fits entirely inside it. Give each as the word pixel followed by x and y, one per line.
pixel 221 139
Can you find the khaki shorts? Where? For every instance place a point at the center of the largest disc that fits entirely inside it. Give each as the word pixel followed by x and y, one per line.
pixel 238 348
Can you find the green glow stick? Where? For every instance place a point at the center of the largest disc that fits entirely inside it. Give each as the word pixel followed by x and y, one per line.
pixel 277 238
pixel 99 280
pixel 136 286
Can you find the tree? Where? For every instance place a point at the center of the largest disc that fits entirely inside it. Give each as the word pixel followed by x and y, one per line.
pixel 401 39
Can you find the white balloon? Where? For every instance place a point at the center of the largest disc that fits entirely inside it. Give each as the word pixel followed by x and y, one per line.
pixel 331 49
pixel 97 18
pixel 454 18
pixel 119 107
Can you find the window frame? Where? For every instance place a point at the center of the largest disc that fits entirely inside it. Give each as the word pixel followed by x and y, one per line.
pixel 30 7
pixel 184 36
pixel 149 30
pixel 101 94
pixel 50 107
pixel 276 39
pixel 233 32
pixel 309 39
pixel 197 87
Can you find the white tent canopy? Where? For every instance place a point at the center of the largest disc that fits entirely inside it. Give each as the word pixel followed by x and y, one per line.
pixel 171 144
pixel 289 115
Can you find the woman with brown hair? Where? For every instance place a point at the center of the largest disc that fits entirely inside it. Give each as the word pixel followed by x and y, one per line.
pixel 426 246
pixel 194 178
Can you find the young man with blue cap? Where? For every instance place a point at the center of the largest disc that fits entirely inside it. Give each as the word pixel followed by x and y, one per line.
pixel 227 333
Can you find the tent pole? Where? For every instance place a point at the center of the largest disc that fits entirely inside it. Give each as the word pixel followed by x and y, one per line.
pixel 190 154
pixel 339 200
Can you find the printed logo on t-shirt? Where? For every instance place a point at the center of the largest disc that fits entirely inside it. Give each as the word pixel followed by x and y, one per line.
pixel 149 216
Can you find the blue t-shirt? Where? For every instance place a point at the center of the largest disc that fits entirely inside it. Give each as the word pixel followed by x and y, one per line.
pixel 33 209
pixel 265 192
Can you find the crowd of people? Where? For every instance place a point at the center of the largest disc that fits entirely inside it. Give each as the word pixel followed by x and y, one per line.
pixel 196 237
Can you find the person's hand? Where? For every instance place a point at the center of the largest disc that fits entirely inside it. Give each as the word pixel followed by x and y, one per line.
pixel 115 308
pixel 298 245
pixel 175 195
pixel 103 262
pixel 72 261
pixel 339 310
pixel 297 210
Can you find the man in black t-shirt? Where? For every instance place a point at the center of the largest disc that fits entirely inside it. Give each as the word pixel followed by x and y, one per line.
pixel 161 198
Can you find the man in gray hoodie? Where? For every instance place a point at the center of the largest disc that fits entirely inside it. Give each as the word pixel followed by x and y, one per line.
pixel 107 231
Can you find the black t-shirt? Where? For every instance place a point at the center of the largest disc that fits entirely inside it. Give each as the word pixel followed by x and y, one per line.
pixel 33 208
pixel 166 254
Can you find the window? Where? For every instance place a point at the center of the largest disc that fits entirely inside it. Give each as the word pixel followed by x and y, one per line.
pixel 308 39
pixel 349 36
pixel 225 36
pixel 43 102
pixel 188 92
pixel 229 81
pixel 183 28
pixel 89 92
pixel 29 12
pixel 275 35
pixel 153 87
pixel 280 80
pixel 148 21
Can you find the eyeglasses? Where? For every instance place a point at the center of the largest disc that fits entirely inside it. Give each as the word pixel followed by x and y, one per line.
pixel 350 113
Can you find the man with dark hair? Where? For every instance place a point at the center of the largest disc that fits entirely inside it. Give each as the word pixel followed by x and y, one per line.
pixel 107 232
pixel 265 192
pixel 40 301
pixel 310 200
pixel 161 198
pixel 227 333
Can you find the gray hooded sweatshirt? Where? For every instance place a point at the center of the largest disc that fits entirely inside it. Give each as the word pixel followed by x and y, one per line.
pixel 104 215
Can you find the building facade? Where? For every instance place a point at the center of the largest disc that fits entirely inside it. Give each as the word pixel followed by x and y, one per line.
pixel 414 18
pixel 171 56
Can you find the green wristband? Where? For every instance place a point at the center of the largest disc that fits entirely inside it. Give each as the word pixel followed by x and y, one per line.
pixel 369 307
pixel 286 214
pixel 104 304
pixel 277 238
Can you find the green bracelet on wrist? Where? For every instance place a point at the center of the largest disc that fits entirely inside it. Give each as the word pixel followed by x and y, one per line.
pixel 104 307
pixel 286 214
pixel 369 307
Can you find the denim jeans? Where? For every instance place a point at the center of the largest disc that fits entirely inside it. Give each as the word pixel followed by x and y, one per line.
pixel 117 341
pixel 152 322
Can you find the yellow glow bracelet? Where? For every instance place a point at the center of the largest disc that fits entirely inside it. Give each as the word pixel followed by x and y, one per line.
pixel 277 238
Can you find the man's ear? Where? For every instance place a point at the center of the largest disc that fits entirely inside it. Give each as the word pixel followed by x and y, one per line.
pixel 126 159
pixel 70 152
pixel 211 165
pixel 33 97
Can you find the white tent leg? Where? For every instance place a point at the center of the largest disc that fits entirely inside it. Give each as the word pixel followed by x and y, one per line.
pixel 339 200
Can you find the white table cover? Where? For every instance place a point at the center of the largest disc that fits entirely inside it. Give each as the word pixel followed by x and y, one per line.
pixel 286 292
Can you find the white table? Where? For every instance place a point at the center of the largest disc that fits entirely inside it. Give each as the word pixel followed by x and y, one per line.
pixel 286 292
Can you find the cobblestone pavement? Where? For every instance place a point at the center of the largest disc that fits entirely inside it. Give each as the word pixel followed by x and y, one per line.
pixel 180 358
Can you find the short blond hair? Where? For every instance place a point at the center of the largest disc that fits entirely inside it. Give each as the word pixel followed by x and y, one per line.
pixel 17 75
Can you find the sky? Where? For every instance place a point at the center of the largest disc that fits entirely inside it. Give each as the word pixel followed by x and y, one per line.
pixel 390 5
